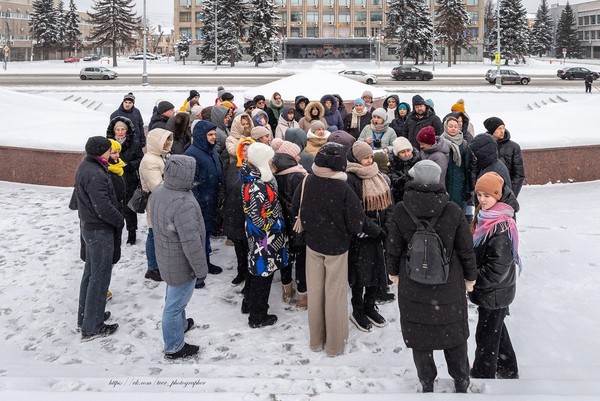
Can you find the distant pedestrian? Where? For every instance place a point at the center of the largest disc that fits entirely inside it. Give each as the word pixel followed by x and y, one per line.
pixel 589 80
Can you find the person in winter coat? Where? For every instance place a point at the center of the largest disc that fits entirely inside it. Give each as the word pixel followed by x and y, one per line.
pixel 433 317
pixel 316 137
pixel 331 214
pixel 378 134
pixel 496 242
pixel 341 108
pixel 588 80
pixel 435 149
pixel 289 175
pixel 194 97
pixel 466 127
pixel 209 172
pixel 331 113
pixel 403 159
pixel 298 136
pixel 162 112
pixel 508 151
pixel 314 111
pixel 300 103
pixel 128 110
pixel 367 96
pixel 463 124
pixel 152 168
pixel 116 168
pixel 366 263
pixel 99 216
pixel 398 123
pixel 286 120
pixel 240 128
pixel 179 238
pixel 358 119
pixel 260 118
pixel 420 117
pixel 221 117
pixel 265 229
pixel 275 110
pixel 122 130
pixel 485 159
pixel 390 105
pixel 179 125
pixel 458 175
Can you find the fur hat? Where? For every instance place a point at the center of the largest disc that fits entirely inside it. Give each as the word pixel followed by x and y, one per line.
pixel 315 125
pixel 259 156
pixel 492 123
pixel 490 183
pixel 426 135
pixel 361 150
pixel 417 100
pixel 97 145
pixel 164 106
pixel 130 97
pixel 426 172
pixel 114 145
pixel 240 149
pixel 381 113
pixel 258 132
pixel 193 93
pixel 331 155
pixel 458 106
pixel 400 144
pixel 289 148
pixel 359 101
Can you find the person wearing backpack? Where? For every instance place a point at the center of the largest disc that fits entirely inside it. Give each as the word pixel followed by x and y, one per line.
pixel 433 312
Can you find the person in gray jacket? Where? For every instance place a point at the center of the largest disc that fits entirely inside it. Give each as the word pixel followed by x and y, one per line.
pixel 179 236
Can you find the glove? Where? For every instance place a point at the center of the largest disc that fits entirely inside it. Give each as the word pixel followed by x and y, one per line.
pixel 393 279
pixel 469 284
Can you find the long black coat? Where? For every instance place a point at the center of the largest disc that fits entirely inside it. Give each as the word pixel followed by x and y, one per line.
pixel 131 154
pixel 136 117
pixel 432 317
pixel 286 188
pixel 510 153
pixel 233 208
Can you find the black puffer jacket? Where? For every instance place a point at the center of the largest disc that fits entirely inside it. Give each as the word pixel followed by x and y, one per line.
pixel 485 150
pixel 398 123
pixel 131 153
pixel 510 153
pixel 432 316
pixel 413 125
pixel 399 174
pixel 136 117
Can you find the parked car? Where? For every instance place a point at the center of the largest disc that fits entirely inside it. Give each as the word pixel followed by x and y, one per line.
pixel 96 73
pixel 410 72
pixel 71 60
pixel 359 76
pixel 149 56
pixel 508 77
pixel 91 57
pixel 575 73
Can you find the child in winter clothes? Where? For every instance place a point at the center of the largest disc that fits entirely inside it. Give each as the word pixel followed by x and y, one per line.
pixel 496 243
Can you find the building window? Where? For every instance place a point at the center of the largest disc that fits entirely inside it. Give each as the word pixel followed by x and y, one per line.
pixel 473 32
pixel 296 2
pixel 312 3
pixel 586 35
pixel 472 2
pixel 296 16
pixel 279 2
pixel 312 16
pixel 296 32
pixel 185 32
pixel 376 16
pixel 586 20
pixel 360 3
pixel 580 20
pixel 198 34
pixel 185 3
pixel 185 17
pixel 199 2
pixel 580 35
pixel 199 17
pixel 474 16
pixel 344 3
pixel 328 16
pixel 344 16
pixel 360 32
pixel 592 20
pixel 312 32
pixel 377 3
pixel 360 16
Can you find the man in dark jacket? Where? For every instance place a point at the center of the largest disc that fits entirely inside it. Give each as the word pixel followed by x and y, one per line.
pixel 209 173
pixel 485 159
pixel 420 117
pixel 508 151
pixel 162 112
pixel 99 214
pixel 127 109
pixel 179 239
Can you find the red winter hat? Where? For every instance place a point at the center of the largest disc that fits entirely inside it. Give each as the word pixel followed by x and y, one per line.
pixel 426 135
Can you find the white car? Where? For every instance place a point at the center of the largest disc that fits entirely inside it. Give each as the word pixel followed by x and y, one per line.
pixel 149 56
pixel 97 73
pixel 359 76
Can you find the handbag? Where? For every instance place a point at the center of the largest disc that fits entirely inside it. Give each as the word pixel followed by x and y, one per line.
pixel 298 223
pixel 73 201
pixel 138 200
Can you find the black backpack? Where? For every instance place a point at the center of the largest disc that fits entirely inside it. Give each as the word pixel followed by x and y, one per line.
pixel 426 259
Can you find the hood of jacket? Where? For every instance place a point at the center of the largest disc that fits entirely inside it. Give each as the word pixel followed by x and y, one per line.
pixel 440 145
pixel 311 106
pixel 297 136
pixel 237 131
pixel 425 200
pixel 256 113
pixel 155 141
pixel 217 116
pixel 299 99
pixel 110 133
pixel 199 135
pixel 484 149
pixel 334 104
pixel 179 173
pixel 283 161
pixel 408 109
pixel 385 105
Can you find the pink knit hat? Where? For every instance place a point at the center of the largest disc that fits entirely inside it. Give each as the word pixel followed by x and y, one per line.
pixel 289 148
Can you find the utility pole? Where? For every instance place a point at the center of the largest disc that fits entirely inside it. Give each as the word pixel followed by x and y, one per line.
pixel 144 49
pixel 498 75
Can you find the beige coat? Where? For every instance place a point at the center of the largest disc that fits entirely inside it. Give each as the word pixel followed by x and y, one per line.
pixel 235 135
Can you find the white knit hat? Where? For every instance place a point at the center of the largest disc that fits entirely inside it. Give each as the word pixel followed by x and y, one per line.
pixel 400 144
pixel 259 156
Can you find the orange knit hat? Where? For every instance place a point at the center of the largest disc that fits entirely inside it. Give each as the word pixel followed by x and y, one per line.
pixel 458 106
pixel 239 151
pixel 490 183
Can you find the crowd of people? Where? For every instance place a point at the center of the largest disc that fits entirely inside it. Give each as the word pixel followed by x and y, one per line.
pixel 329 193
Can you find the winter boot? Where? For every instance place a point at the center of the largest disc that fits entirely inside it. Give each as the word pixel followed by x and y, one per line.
pixel 461 386
pixel 213 269
pixel 302 301
pixel 287 293
pixel 153 275
pixel 361 321
pixel 105 330
pixel 245 306
pixel 427 386
pixel 371 311
pixel 265 320
pixel 237 280
pixel 187 351
pixel 383 297
pixel 131 238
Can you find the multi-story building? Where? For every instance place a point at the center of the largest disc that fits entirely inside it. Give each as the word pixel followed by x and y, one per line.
pixel 587 19
pixel 330 28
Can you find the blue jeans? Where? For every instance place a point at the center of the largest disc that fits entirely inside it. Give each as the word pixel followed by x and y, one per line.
pixel 174 321
pixel 151 251
pixel 99 247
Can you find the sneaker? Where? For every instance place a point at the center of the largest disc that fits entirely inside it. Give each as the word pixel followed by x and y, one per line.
pixel 199 284
pixel 267 320
pixel 108 296
pixel 105 330
pixel 153 275
pixel 374 316
pixel 131 238
pixel 239 279
pixel 185 352
pixel 214 269
pixel 361 321
pixel 384 297
pixel 106 317
pixel 190 325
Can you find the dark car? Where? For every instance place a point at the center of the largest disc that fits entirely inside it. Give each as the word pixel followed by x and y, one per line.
pixel 71 60
pixel 575 73
pixel 91 57
pixel 508 77
pixel 403 72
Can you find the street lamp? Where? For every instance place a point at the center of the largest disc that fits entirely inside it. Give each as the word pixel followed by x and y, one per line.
pixel 497 58
pixel 144 33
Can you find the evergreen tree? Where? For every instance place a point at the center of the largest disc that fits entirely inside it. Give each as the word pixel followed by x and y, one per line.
pixel 262 34
pixel 540 41
pixel 566 34
pixel 183 47
pixel 514 32
pixel 235 19
pixel 452 24
pixel 207 49
pixel 409 24
pixel 43 25
pixel 113 23
pixel 61 21
pixel 489 18
pixel 72 32
pixel 420 35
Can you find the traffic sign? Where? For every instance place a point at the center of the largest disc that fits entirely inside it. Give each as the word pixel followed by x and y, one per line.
pixel 6 49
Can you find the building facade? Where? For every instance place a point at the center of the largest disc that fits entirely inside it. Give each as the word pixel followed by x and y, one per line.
pixel 587 20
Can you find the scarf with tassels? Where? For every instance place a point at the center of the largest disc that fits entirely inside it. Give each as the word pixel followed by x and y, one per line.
pixel 375 189
pixel 356 117
pixel 454 142
pixel 500 215
pixel 116 167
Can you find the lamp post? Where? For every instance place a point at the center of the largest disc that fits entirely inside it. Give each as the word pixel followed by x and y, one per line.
pixel 498 75
pixel 144 33
pixel 379 39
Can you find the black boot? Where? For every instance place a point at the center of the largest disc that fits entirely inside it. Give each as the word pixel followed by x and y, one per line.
pixel 371 310
pixel 360 320
pixel 131 237
pixel 427 386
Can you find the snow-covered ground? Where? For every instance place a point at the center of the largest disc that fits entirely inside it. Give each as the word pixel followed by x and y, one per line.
pixel 553 322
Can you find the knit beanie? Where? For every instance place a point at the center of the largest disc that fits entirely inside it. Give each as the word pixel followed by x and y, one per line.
pixel 240 149
pixel 331 155
pixel 417 100
pixel 367 93
pixel 458 106
pixel 258 98
pixel 249 103
pixel 130 97
pixel 343 138
pixel 426 135
pixel 114 145
pixel 196 110
pixel 490 183
pixel 381 113
pixel 359 101
pixel 164 106
pixel 315 125
pixel 426 172
pixel 226 96
pixel 206 113
pixel 402 106
pixel 97 145
pixel 430 103
pixel 400 144
pixel 258 132
pixel 361 150
pixel 492 123
pixel 193 94
pixel 259 156
pixel 289 148
pixel 276 143
pixel 220 91
pixel 383 162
